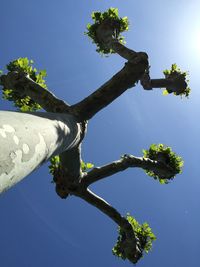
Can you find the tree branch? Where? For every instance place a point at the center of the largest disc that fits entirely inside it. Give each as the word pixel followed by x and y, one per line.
pixel 103 206
pixel 148 83
pixel 127 161
pixel 107 93
pixel 119 83
pixel 176 83
pixel 131 240
pixel 25 86
pixel 106 36
pixel 68 174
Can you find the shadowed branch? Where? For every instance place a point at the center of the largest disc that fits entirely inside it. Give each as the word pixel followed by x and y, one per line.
pixel 25 86
pixel 131 245
pixel 128 161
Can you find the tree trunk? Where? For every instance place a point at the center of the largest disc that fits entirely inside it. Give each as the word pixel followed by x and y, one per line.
pixel 29 139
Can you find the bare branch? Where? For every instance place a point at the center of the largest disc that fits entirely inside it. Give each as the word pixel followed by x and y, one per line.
pixel 119 83
pixel 107 93
pixel 127 161
pixel 25 86
pixel 123 51
pixel 107 209
pixel 102 205
pixel 111 212
pixel 148 83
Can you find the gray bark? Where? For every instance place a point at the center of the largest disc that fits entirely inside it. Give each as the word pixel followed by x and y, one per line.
pixel 29 139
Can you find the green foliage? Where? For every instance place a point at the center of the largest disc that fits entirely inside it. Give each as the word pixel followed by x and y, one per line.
pixel 21 101
pixel 55 164
pixel 181 79
pixel 86 166
pixel 126 249
pixel 55 168
pixel 166 155
pixel 116 24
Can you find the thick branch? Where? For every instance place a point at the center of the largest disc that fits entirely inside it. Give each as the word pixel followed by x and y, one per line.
pixel 25 86
pixel 161 83
pixel 69 173
pixel 106 36
pixel 102 205
pixel 123 51
pixel 175 84
pixel 127 161
pixel 132 246
pixel 149 84
pixel 107 209
pixel 118 84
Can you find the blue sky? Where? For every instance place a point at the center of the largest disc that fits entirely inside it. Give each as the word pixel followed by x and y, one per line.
pixel 38 228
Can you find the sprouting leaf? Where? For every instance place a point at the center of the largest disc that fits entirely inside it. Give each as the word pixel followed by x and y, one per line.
pixel 89 165
pixel 86 166
pixel 160 152
pixel 179 81
pixel 43 73
pixel 125 249
pixel 22 102
pixel 165 92
pixel 117 25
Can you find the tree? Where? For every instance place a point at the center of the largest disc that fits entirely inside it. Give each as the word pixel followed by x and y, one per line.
pixel 29 138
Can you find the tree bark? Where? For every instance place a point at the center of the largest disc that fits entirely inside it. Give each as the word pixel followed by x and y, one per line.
pixel 29 139
pixel 127 161
pixel 112 89
pixel 161 83
pixel 24 85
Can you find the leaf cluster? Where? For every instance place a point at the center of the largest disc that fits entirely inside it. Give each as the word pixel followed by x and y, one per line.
pixel 21 101
pixel 144 235
pixel 180 77
pixel 55 166
pixel 86 166
pixel 116 24
pixel 165 155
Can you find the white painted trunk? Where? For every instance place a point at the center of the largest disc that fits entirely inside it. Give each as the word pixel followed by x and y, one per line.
pixel 29 139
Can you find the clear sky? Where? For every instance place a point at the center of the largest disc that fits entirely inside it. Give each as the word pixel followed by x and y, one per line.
pixel 39 229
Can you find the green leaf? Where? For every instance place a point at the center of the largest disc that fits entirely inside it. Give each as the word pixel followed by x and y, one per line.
pixel 24 103
pixel 117 25
pixel 89 165
pixel 180 80
pixel 158 152
pixel 86 166
pixel 43 73
pixel 165 92
pixel 124 248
